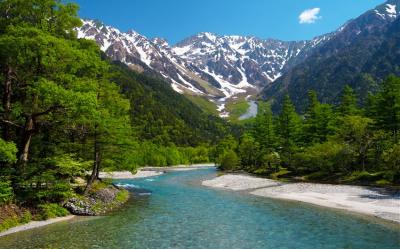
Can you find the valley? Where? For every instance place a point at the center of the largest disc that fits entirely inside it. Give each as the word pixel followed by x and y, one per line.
pixel 211 140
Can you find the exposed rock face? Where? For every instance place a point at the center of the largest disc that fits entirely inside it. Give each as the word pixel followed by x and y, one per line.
pixel 220 67
pixel 204 64
pixel 96 203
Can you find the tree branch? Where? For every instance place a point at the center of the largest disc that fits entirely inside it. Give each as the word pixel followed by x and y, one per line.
pixel 10 123
pixel 51 109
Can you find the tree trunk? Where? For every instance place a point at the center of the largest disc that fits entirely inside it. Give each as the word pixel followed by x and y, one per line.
pixel 26 140
pixel 96 164
pixel 7 92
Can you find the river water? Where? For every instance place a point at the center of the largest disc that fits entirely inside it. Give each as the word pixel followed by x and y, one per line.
pixel 174 211
pixel 251 111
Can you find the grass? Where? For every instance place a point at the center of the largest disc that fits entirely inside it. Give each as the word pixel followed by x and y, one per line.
pixel 236 108
pixel 52 210
pixel 13 216
pixel 280 173
pixel 122 196
pixel 204 104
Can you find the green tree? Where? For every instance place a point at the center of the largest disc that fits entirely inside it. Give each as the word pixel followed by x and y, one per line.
pixel 52 16
pixel 230 161
pixel 348 102
pixel 385 106
pixel 289 129
pixel 356 131
pixel 319 121
pixel 249 152
pixel 264 127
pixel 110 126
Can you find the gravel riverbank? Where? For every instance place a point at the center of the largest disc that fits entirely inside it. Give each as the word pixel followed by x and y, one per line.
pixel 370 201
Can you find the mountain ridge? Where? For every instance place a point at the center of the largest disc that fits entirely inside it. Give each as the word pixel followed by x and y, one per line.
pixel 222 67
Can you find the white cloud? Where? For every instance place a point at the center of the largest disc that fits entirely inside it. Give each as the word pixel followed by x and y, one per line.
pixel 309 15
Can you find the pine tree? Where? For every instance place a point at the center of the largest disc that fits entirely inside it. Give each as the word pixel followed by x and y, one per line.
pixel 289 129
pixel 264 128
pixel 386 106
pixel 348 102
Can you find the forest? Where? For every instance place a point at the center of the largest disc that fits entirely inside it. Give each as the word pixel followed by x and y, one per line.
pixel 343 143
pixel 67 110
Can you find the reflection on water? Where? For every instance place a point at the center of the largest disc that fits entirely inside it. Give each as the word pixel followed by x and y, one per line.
pixel 173 211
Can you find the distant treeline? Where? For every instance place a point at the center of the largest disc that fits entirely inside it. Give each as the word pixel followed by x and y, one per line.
pixel 336 143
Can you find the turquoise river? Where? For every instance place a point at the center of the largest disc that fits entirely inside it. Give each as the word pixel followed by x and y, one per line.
pixel 174 211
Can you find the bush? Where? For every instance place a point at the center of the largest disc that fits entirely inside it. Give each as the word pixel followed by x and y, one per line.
pixel 8 152
pixel 328 157
pixel 14 220
pixel 230 161
pixel 364 177
pixel 122 196
pixel 271 161
pixel 52 210
pixel 6 191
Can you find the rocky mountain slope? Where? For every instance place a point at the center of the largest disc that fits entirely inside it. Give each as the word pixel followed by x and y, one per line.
pixel 223 67
pixel 218 67
pixel 361 54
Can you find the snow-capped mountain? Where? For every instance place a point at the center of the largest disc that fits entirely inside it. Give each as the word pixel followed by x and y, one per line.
pixel 204 64
pixel 141 54
pixel 219 67
pixel 242 61
pixel 364 50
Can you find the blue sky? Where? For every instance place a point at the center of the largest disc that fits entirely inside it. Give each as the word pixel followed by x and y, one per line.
pixel 175 20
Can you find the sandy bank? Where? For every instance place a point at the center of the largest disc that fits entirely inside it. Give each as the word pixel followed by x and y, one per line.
pixel 151 171
pixel 129 175
pixel 370 201
pixel 35 224
pixel 179 167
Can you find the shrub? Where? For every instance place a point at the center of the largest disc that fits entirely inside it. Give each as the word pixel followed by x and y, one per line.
pixel 52 210
pixel 15 219
pixel 230 161
pixel 6 191
pixel 122 196
pixel 8 152
pixel 272 161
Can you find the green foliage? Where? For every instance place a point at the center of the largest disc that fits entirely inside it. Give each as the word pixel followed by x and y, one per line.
pixel 150 154
pixel 164 117
pixel 15 220
pixel 282 172
pixel 289 129
pixel 331 143
pixel 122 196
pixel 271 161
pixel 329 157
pixel 8 152
pixel 362 63
pixel 348 103
pixel 249 150
pixel 230 161
pixel 237 108
pixel 6 191
pixel 204 104
pixel 52 210
pixel 224 146
pixel 264 127
pixel 385 106
pixel 319 121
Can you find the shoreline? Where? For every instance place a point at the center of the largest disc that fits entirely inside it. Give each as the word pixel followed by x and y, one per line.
pixel 376 202
pixel 35 224
pixel 150 171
